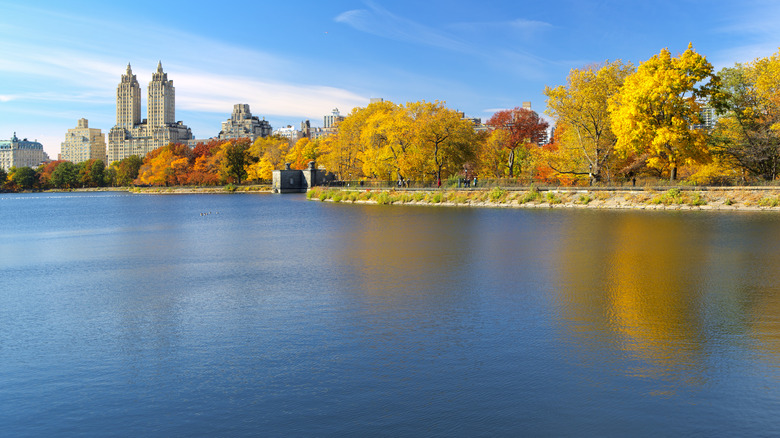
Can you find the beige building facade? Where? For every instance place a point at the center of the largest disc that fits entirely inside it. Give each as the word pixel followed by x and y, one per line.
pixel 83 143
pixel 242 124
pixel 133 136
pixel 21 153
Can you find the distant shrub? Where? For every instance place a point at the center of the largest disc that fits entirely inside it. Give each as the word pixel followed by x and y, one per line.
pixel 531 195
pixel 671 196
pixel 383 198
pixel 497 194
pixel 697 199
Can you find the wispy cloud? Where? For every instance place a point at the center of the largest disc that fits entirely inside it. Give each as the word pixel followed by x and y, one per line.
pixel 517 28
pixel 753 28
pixel 378 21
pixel 474 39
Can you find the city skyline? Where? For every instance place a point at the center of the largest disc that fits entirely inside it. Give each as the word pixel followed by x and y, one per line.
pixel 299 60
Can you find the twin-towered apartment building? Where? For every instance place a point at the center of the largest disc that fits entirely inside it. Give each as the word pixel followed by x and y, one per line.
pixel 133 135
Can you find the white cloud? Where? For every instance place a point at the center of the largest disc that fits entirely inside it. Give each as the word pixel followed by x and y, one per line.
pixel 217 94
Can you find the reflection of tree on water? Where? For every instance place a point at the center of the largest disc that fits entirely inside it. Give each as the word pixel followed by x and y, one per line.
pixel 632 283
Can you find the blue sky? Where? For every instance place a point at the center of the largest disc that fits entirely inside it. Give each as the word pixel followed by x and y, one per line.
pixel 296 60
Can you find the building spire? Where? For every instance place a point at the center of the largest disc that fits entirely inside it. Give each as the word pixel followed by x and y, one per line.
pixel 129 70
pixel 159 67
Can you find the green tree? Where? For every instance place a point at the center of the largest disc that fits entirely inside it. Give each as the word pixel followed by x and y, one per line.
pixel 127 170
pixel 235 159
pixel 109 177
pixel 656 110
pixel 97 173
pixel 24 178
pixel 748 133
pixel 65 175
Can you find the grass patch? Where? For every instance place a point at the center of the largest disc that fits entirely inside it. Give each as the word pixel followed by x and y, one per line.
pixel 383 198
pixel 697 199
pixel 531 195
pixel 460 198
pixel 769 201
pixel 671 196
pixel 553 198
pixel 497 195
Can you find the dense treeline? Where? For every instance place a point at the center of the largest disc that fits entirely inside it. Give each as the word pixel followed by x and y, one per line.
pixel 217 162
pixel 613 122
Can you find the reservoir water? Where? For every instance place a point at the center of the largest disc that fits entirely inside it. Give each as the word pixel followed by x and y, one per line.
pixel 268 315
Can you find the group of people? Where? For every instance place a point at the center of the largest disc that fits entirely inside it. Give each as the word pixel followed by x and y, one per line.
pixel 467 182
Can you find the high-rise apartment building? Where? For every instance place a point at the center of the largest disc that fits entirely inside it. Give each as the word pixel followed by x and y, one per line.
pixel 243 125
pixel 133 136
pixel 333 119
pixel 83 143
pixel 161 105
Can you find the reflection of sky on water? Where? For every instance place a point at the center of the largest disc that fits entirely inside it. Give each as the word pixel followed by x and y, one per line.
pixel 283 314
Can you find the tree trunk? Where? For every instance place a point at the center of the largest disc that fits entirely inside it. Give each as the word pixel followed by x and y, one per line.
pixel 511 162
pixel 673 173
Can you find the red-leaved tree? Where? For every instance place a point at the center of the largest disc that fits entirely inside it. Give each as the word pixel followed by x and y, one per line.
pixel 524 128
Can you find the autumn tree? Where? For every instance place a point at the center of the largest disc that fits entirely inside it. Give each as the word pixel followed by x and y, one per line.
pixel 303 151
pixel 524 129
pixel 127 170
pixel 385 141
pixel 656 110
pixel 45 172
pixel 91 173
pixel 492 156
pixel 359 147
pixel 583 121
pixel 748 133
pixel 445 139
pixel 235 157
pixel 267 154
pixel 166 165
pixel 204 169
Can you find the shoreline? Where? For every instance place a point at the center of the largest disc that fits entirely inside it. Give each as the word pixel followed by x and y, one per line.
pixel 215 190
pixel 671 199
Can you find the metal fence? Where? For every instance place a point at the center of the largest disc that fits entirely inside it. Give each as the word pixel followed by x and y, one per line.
pixel 522 185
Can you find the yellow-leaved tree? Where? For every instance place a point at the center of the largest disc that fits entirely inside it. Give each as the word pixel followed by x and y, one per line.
pixel 445 140
pixel 581 110
pixel 656 110
pixel 268 154
pixel 303 151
